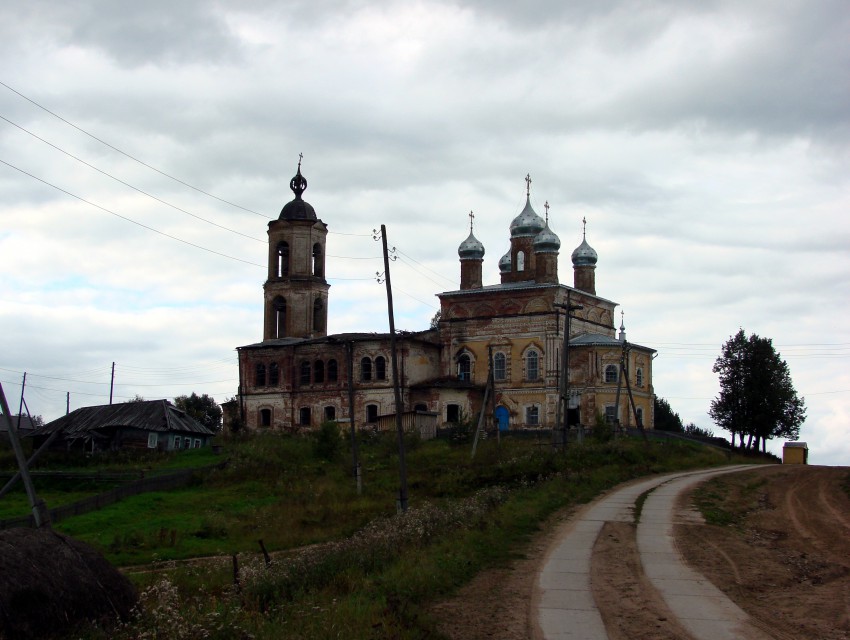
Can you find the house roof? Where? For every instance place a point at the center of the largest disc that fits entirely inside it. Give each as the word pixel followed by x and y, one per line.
pixel 150 415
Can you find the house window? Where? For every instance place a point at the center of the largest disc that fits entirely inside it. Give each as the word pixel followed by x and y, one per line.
pixel 177 441
pixel 279 317
pixel 153 440
pixel 197 443
pixel 332 371
pixel 420 406
pixel 639 377
pixel 499 366
pixel 532 365
pixel 265 417
pixel 330 414
pixel 318 371
pixel 464 367
pixel 366 369
pixel 532 415
pixel 304 416
pixel 304 373
pixel 318 315
pixel 274 374
pixel 380 368
pixel 453 413
pixel 187 443
pixel 282 259
pixel 371 413
pixel 610 414
pixel 317 260
pixel 611 373
pixel 260 378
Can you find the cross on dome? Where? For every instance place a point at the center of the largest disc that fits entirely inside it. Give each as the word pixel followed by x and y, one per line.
pixel 471 219
pixel 546 207
pixel 528 184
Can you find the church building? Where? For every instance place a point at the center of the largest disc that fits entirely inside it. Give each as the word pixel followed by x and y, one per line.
pixel 503 344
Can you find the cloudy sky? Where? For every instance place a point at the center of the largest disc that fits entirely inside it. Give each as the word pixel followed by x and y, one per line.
pixel 145 146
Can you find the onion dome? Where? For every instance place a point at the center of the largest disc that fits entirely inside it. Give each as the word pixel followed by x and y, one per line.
pixel 546 241
pixel 471 248
pixel 527 223
pixel 505 263
pixel 584 255
pixel 298 209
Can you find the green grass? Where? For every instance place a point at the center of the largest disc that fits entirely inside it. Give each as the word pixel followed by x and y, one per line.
pixel 725 502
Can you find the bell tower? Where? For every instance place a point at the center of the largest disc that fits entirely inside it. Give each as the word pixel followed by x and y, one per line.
pixel 296 292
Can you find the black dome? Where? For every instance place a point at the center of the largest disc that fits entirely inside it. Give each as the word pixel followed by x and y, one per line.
pixel 298 209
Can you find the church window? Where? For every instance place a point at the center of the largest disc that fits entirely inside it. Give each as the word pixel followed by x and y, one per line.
pixel 611 373
pixel 639 416
pixel 317 260
pixel 279 317
pixel 274 374
pixel 318 372
pixel 453 413
pixel 304 416
pixel 366 369
pixel 532 365
pixel 371 413
pixel 282 259
pixel 464 367
pixel 610 414
pixel 260 378
pixel 330 413
pixel 639 377
pixel 380 368
pixel 499 366
pixel 304 377
pixel 420 406
pixel 532 415
pixel 318 315
pixel 520 261
pixel 265 417
pixel 333 372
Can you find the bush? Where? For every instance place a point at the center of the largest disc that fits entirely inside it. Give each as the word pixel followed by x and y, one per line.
pixel 328 442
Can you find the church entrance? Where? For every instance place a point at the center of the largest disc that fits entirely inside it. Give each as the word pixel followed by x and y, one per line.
pixel 502 417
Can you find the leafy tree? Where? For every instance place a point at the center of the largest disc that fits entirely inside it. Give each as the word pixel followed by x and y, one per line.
pixel 136 398
pixel 435 321
pixel 665 418
pixel 203 408
pixel 692 430
pixel 757 398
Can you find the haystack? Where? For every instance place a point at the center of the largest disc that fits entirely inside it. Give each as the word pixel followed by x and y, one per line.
pixel 50 583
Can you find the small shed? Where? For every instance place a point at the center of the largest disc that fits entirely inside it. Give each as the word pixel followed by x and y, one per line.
pixel 795 453
pixel 151 424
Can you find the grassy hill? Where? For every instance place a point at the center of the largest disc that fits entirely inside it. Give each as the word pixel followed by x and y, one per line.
pixel 342 564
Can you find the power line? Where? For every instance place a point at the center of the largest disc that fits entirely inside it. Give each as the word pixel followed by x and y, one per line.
pixel 127 155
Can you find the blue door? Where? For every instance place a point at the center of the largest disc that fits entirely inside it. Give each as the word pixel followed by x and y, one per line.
pixel 502 417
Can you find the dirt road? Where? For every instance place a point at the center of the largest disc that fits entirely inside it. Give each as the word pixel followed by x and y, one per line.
pixel 781 552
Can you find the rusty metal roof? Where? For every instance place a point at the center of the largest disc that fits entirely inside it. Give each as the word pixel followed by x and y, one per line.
pixel 150 415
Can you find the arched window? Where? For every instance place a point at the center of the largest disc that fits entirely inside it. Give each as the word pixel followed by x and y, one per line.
pixel 371 413
pixel 520 261
pixel 317 260
pixel 464 367
pixel 282 259
pixel 265 417
pixel 380 368
pixel 304 373
pixel 366 369
pixel 318 315
pixel 500 370
pixel 274 374
pixel 639 377
pixel 639 416
pixel 332 371
pixel 318 372
pixel 260 377
pixel 532 365
pixel 279 317
pixel 304 416
pixel 611 373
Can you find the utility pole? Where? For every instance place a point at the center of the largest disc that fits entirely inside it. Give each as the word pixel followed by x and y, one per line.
pixel 354 448
pixel 111 382
pixel 402 468
pixel 563 411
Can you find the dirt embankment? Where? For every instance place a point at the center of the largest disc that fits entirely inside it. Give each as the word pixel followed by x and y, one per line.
pixel 782 554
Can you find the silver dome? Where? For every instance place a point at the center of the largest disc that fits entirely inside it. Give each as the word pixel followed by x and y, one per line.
pixel 505 263
pixel 546 241
pixel 584 255
pixel 471 249
pixel 527 223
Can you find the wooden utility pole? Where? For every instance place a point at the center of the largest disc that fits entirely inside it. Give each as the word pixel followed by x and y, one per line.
pixel 39 509
pixel 354 448
pixel 111 382
pixel 402 468
pixel 488 392
pixel 563 410
pixel 638 418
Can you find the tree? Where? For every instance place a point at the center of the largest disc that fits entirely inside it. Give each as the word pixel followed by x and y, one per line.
pixel 136 398
pixel 203 408
pixel 665 418
pixel 757 397
pixel 692 430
